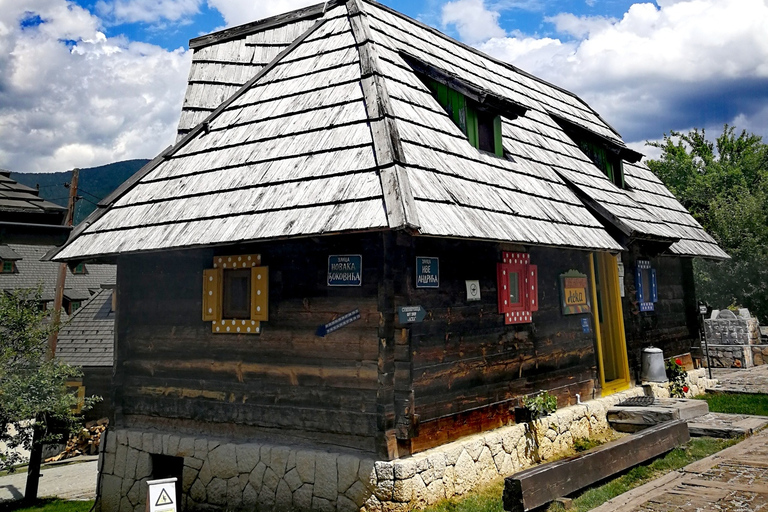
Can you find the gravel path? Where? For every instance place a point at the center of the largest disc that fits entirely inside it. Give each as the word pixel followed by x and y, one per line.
pixel 74 481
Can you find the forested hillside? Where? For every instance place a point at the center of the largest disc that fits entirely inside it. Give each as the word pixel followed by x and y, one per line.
pixel 95 184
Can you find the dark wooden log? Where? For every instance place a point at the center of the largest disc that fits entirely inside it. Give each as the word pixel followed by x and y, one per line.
pixel 542 484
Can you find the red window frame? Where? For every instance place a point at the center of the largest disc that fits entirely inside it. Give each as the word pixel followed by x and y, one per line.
pixel 521 311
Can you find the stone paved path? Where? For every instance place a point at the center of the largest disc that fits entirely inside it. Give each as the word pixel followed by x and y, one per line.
pixel 733 480
pixel 747 380
pixel 73 481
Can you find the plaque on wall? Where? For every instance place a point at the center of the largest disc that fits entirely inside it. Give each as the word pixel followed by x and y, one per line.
pixel 427 272
pixel 574 293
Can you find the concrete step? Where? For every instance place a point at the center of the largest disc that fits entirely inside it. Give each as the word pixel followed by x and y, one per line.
pixel 633 419
pixel 716 424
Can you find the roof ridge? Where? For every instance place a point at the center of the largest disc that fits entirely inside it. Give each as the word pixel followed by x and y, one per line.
pixel 131 182
pixel 388 149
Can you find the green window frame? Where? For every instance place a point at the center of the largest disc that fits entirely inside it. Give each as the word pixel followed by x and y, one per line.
pixel 611 167
pixel 7 267
pixel 481 126
pixel 79 269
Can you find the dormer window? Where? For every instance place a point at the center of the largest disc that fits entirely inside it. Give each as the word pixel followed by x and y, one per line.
pixel 7 267
pixel 481 126
pixel 606 161
pixel 475 110
pixel 79 269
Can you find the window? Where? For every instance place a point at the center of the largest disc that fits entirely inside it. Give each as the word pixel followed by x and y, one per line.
pixel 7 267
pixel 645 283
pixel 235 294
pixel 517 282
pixel 79 269
pixel 608 163
pixel 481 126
pixel 74 306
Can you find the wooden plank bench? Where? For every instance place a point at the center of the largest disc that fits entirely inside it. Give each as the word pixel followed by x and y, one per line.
pixel 542 484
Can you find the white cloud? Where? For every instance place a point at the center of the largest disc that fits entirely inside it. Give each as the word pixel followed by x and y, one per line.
pixel 684 63
pixel 147 11
pixel 472 20
pixel 71 97
pixel 238 12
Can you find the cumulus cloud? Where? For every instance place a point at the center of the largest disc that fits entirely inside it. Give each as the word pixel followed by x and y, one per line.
pixel 472 20
pixel 72 97
pixel 147 11
pixel 679 64
pixel 238 12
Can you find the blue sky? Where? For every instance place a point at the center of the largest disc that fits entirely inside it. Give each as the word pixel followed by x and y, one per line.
pixel 88 82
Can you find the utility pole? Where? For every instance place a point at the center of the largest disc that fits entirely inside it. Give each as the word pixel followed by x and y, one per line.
pixel 36 453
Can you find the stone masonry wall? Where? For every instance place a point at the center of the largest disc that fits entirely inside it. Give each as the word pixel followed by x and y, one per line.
pixel 224 475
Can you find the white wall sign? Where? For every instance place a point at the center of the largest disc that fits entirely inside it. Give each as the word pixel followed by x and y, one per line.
pixel 473 290
pixel 161 495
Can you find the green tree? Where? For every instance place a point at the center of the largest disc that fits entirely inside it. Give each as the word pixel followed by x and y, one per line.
pixel 32 387
pixel 724 184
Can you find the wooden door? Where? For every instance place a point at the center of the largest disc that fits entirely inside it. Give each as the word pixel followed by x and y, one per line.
pixel 609 322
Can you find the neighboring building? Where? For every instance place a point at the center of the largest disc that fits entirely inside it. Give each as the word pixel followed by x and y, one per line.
pixel 26 218
pixel 371 239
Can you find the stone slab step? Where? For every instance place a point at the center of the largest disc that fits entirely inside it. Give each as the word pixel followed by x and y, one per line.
pixel 716 424
pixel 634 419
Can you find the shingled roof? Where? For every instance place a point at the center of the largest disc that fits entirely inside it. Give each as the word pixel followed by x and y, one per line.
pixel 337 133
pixel 31 272
pixel 87 339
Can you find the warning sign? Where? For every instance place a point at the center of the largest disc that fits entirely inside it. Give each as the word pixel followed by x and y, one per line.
pixel 161 495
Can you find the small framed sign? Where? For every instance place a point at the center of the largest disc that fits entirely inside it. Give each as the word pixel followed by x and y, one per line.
pixel 427 272
pixel 473 290
pixel 574 293
pixel 345 270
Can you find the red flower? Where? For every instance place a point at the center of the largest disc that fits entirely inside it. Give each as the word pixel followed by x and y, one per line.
pixel 679 362
pixel 685 389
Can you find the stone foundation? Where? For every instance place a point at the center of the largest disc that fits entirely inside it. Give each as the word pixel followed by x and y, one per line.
pixel 219 474
pixel 732 339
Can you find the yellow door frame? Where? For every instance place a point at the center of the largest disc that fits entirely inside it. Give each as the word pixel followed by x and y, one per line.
pixel 611 330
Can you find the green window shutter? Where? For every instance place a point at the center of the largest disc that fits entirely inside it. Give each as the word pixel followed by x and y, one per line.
pixel 472 129
pixel 497 140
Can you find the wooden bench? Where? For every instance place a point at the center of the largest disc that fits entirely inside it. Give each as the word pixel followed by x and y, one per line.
pixel 542 484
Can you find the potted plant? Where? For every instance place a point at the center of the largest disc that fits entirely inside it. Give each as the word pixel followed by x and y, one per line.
pixel 535 407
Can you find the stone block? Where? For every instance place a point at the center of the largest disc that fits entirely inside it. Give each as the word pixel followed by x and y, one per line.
pixel 302 497
pixel 223 461
pixel 384 470
pixel 188 477
pixel 384 489
pixel 283 497
pixel 265 454
pixel 474 448
pixel 147 442
pixel 247 457
pixel 485 466
pixel 358 493
pixel 108 465
pixel 344 504
pixel 326 476
pixel 347 467
pixel 305 465
pixel 193 462
pixel 435 492
pixel 404 469
pixel 322 505
pixel 131 459
pixel 143 465
pixel 122 438
pixel 134 494
pixel 197 492
pixel 217 491
pixel 234 492
pixel 186 447
pixel 111 441
pixel 110 493
pixel 256 477
pixel 270 480
pixel 125 505
pixel 267 498
pixel 367 473
pixel 250 497
pixel 291 461
pixel 205 474
pixel 158 443
pixel 173 446
pixel 119 469
pixel 279 459
pixel 465 475
pixel 201 449
pixel 293 479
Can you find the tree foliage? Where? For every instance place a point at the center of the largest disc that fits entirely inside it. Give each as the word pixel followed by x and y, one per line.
pixel 724 184
pixel 31 387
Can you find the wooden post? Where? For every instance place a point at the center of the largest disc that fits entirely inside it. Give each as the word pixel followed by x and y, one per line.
pixel 62 276
pixel 36 454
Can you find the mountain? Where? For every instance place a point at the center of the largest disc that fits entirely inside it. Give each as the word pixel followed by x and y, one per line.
pixel 95 184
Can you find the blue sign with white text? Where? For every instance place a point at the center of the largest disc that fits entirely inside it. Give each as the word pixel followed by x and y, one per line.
pixel 345 270
pixel 585 325
pixel 427 272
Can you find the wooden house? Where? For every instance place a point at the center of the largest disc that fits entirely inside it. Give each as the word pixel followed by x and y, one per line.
pixel 372 237
pixel 27 218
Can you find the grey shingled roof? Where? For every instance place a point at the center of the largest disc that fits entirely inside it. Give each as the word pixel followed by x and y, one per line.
pixel 31 273
pixel 87 339
pixel 338 134
pixel 16 197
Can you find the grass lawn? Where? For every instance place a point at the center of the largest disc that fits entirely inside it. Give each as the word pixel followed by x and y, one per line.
pixel 736 403
pixel 48 505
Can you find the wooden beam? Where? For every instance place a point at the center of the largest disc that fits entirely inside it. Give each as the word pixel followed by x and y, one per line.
pixel 542 484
